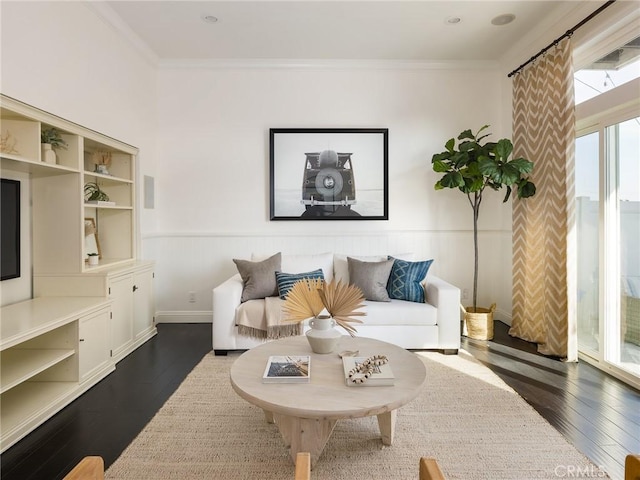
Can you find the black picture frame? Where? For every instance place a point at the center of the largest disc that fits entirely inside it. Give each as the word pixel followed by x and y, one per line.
pixel 10 229
pixel 329 173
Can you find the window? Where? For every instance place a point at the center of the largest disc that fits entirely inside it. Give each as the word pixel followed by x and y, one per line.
pixel 587 223
pixel 614 69
pixel 624 155
pixel 607 189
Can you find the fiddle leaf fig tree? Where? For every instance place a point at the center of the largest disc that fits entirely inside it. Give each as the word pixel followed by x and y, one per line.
pixel 474 166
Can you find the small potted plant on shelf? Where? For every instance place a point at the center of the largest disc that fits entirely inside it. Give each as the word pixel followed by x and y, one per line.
pixel 94 194
pixel 51 140
pixel 93 259
pixel 471 168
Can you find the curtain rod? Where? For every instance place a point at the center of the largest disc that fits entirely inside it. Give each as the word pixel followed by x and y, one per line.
pixel 568 33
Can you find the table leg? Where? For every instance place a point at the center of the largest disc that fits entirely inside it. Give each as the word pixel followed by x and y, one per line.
pixel 305 435
pixel 268 416
pixel 285 427
pixel 387 424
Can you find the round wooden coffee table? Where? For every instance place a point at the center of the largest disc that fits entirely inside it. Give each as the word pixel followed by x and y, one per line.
pixel 307 413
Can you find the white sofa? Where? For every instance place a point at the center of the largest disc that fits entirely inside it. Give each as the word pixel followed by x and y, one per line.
pixel 433 325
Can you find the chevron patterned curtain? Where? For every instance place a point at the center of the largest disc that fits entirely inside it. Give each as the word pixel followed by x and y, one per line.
pixel 544 132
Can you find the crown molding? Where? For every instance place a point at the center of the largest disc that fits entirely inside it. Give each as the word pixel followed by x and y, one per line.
pixel 113 20
pixel 351 64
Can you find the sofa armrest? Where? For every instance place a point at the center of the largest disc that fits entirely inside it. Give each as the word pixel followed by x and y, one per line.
pixel 226 298
pixel 446 298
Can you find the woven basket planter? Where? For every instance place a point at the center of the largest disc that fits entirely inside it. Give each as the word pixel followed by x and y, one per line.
pixel 478 323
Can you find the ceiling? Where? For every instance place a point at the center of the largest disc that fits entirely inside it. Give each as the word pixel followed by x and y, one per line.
pixel 331 30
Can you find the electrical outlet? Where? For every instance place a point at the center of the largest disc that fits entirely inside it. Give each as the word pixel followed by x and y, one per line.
pixel 192 297
pixel 465 294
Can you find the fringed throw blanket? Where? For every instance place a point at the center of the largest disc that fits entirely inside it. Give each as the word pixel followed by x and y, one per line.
pixel 264 319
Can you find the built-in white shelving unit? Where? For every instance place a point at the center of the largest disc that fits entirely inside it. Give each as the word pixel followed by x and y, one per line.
pixel 82 319
pixel 39 345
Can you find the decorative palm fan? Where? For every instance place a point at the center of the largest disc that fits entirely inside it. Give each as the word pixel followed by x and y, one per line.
pixel 309 297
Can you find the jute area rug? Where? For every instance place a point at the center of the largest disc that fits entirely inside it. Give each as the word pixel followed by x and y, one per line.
pixel 466 417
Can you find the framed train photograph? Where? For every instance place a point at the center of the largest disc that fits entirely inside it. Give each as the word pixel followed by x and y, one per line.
pixel 329 173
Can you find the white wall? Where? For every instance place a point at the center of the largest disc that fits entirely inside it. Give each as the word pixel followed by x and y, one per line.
pixel 210 162
pixel 64 58
pixel 213 172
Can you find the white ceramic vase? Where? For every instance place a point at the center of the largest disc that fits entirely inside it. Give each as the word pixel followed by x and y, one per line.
pixel 322 335
pixel 102 169
pixel 48 154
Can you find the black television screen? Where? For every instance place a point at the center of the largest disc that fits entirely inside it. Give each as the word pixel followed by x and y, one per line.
pixel 10 228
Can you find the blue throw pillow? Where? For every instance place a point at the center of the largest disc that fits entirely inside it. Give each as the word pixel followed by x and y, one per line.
pixel 286 281
pixel 405 278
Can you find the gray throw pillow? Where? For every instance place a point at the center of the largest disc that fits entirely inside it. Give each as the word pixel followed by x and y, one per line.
pixel 259 278
pixel 371 278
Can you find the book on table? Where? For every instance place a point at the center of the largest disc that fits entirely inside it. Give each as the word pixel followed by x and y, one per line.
pixel 287 369
pixel 382 375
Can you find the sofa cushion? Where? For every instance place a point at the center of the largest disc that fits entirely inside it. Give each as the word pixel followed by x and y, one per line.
pixel 341 266
pixel 286 281
pixel 405 280
pixel 305 263
pixel 259 278
pixel 399 312
pixel 371 278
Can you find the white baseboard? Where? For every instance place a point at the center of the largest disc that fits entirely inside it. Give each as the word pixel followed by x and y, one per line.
pixel 184 317
pixel 503 316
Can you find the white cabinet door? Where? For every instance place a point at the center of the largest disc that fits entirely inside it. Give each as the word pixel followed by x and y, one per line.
pixel 94 343
pixel 121 293
pixel 130 290
pixel 142 302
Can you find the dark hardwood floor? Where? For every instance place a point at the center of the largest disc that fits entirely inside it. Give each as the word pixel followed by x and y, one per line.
pixel 597 413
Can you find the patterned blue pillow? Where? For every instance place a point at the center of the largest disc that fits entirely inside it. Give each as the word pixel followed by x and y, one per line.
pixel 286 280
pixel 405 278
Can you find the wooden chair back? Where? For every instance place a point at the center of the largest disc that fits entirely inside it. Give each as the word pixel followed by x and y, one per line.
pixel 430 470
pixel 89 468
pixel 303 466
pixel 632 467
pixel 92 468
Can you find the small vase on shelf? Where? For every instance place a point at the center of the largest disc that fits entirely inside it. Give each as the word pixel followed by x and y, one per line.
pixel 322 336
pixel 102 169
pixel 93 260
pixel 48 154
